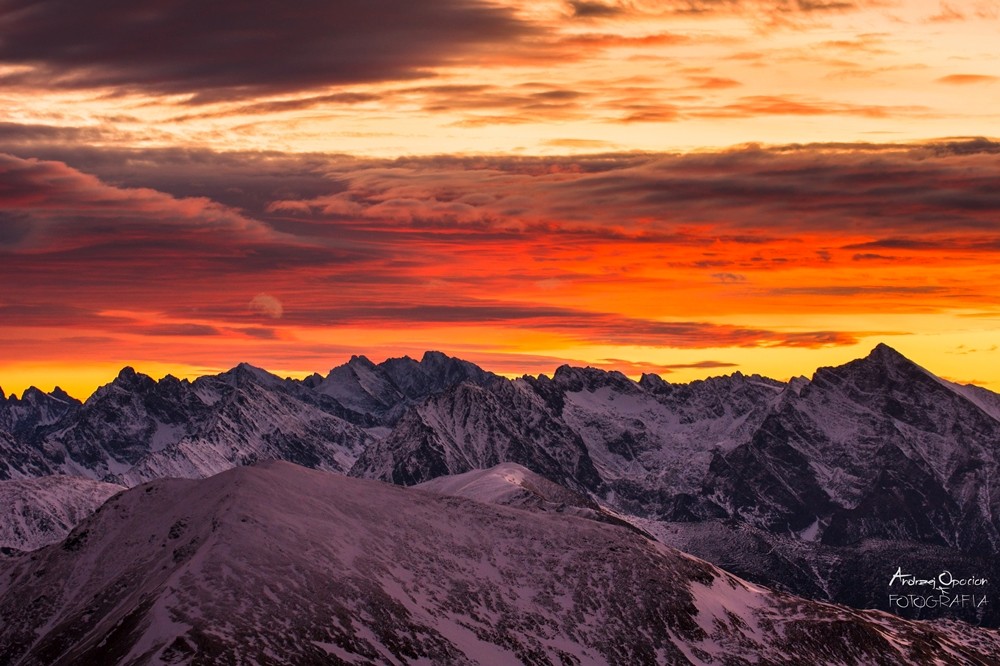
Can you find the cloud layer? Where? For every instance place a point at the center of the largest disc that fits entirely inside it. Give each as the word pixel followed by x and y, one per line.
pixel 647 250
pixel 227 50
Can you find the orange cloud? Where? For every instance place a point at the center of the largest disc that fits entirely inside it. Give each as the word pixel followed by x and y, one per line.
pixel 967 79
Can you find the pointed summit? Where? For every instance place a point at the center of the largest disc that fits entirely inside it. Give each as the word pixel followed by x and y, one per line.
pixel 60 394
pixel 361 360
pixel 129 379
pixel 887 360
pixel 33 394
pixel 246 373
pixel 883 353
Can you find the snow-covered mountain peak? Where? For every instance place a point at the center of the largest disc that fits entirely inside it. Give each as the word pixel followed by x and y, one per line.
pixel 433 373
pixel 653 383
pixel 884 369
pixel 360 360
pixel 884 357
pixel 449 368
pixel 575 379
pixel 35 397
pixel 508 484
pixel 431 357
pixel 127 381
pixel 59 394
pixel 245 373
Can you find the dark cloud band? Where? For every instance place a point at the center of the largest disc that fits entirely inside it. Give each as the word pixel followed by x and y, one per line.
pixel 231 50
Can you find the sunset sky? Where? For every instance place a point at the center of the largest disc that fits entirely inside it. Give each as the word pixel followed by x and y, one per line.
pixel 688 188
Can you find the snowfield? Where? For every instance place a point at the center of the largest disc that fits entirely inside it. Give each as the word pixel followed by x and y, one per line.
pixel 279 564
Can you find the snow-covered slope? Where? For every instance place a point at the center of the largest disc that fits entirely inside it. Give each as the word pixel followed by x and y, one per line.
pixel 40 511
pixel 279 564
pixel 508 484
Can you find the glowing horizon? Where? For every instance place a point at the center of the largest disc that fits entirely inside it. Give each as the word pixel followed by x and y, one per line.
pixel 81 381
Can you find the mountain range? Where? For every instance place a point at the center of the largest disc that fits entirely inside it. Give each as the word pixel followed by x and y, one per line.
pixel 279 564
pixel 819 486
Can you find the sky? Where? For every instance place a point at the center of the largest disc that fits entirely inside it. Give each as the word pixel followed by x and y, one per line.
pixel 688 188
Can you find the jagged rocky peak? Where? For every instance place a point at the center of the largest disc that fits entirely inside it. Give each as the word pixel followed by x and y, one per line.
pixel 360 360
pixel 358 363
pixel 796 384
pixel 884 357
pixel 449 368
pixel 245 373
pixel 415 379
pixel 33 395
pixel 59 394
pixel 654 383
pixel 127 374
pixel 576 379
pixel 313 380
pixel 886 354
pixel 884 367
pixel 128 380
pixel 434 372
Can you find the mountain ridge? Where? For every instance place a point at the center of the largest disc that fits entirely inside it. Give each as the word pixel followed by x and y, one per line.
pixel 875 451
pixel 195 567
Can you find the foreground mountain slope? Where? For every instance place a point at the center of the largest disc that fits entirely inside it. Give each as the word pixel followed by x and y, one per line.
pixel 280 564
pixel 41 511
